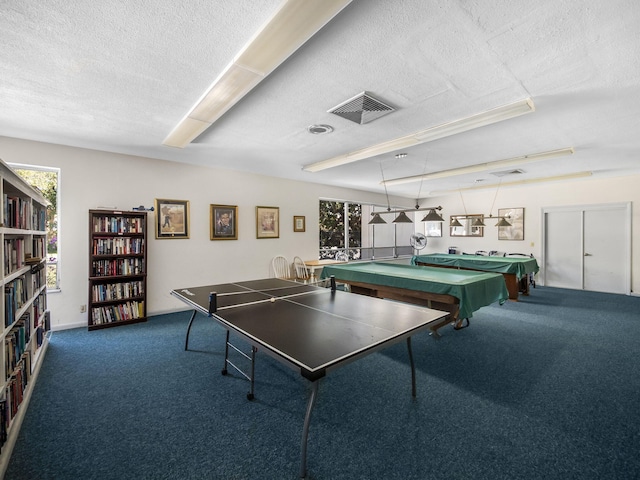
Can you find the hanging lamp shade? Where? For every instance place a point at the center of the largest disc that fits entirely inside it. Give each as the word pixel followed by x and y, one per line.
pixel 402 218
pixel 433 216
pixel 503 223
pixel 478 222
pixel 377 220
pixel 455 222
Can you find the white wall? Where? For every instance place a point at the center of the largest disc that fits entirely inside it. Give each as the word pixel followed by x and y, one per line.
pixel 534 198
pixel 91 179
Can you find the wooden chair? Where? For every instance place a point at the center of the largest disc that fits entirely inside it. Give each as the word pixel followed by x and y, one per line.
pixel 281 267
pixel 301 270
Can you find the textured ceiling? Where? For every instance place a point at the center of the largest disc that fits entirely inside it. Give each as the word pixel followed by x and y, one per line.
pixel 119 75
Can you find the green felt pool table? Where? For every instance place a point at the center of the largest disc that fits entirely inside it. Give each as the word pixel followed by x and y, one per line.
pixel 516 270
pixel 460 292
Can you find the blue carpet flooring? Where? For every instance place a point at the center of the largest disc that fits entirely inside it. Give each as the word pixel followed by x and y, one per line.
pixel 546 388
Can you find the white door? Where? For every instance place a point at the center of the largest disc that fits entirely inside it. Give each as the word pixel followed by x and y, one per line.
pixel 563 259
pixel 588 247
pixel 605 250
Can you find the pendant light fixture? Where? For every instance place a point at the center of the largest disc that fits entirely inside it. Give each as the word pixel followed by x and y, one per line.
pixel 478 220
pixel 433 216
pixel 402 217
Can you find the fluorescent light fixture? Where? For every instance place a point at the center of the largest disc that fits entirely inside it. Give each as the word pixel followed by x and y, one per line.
pixel 488 117
pixel 569 176
pixel 295 22
pixel 482 167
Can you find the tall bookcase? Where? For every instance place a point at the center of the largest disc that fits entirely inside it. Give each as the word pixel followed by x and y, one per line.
pixel 24 303
pixel 117 268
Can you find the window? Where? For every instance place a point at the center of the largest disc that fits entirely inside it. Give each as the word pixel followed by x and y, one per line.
pixel 340 229
pixel 47 181
pixel 345 230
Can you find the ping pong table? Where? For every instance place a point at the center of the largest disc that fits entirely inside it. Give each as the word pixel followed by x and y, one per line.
pixel 310 328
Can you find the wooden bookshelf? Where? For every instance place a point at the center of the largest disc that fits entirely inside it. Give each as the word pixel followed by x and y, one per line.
pixel 117 268
pixel 23 304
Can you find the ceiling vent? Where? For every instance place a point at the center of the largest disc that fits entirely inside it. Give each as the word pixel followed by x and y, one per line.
pixel 363 108
pixel 505 173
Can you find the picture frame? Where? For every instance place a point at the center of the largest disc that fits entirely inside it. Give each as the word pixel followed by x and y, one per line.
pixel 299 223
pixel 433 229
pixel 467 229
pixel 267 222
pixel 172 218
pixel 223 222
pixel 515 216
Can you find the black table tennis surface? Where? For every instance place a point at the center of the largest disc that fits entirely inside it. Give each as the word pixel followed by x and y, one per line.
pixel 310 327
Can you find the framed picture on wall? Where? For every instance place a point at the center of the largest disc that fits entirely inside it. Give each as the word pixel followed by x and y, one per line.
pixel 267 222
pixel 298 223
pixel 223 222
pixel 515 216
pixel 172 218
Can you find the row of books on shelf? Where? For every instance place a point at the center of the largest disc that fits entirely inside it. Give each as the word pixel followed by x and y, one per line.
pixel 15 256
pixel 17 212
pixel 117 313
pixel 39 246
pixel 39 217
pixel 15 296
pixel 111 224
pixel 39 306
pixel 38 277
pixel 118 246
pixel 14 394
pixel 116 267
pixel 15 344
pixel 104 292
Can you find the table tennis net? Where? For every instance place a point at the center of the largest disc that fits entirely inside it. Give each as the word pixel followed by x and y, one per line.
pixel 245 295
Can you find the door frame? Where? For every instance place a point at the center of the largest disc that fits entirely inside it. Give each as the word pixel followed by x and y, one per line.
pixel 626 206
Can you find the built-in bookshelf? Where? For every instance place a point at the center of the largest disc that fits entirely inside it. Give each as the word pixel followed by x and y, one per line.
pixel 25 319
pixel 117 268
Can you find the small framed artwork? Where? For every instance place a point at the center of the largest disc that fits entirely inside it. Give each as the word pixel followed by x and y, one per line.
pixel 223 222
pixel 172 218
pixel 267 222
pixel 515 216
pixel 433 229
pixel 298 223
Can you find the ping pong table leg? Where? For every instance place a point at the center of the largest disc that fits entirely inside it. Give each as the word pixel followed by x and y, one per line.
pixel 413 368
pixel 226 354
pixel 186 341
pixel 305 429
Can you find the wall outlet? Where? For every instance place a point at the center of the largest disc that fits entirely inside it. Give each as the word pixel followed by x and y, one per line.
pixel 83 308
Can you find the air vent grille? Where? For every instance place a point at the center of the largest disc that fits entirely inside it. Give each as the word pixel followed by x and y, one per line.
pixel 505 173
pixel 363 108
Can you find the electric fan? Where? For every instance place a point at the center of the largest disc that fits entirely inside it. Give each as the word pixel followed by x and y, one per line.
pixel 418 241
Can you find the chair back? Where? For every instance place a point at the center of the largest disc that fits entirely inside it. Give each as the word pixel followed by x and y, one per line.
pixel 300 268
pixel 281 267
pixel 342 256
